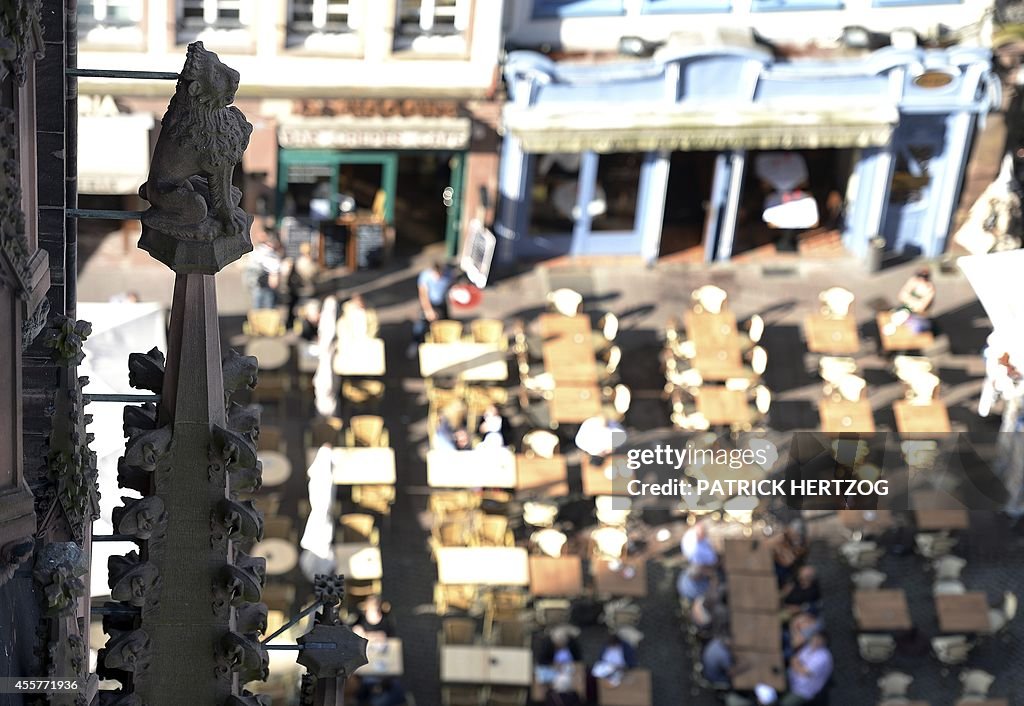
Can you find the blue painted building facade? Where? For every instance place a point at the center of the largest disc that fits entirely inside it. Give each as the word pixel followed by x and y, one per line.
pixel 897 126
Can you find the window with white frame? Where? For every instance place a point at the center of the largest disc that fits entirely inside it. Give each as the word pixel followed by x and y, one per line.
pixel 432 25
pixel 320 17
pixel 199 15
pixel 110 21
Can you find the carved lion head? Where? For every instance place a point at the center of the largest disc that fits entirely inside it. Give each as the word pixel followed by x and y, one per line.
pixel 207 79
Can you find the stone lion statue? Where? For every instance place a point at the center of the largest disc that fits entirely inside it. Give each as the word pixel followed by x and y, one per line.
pixel 202 139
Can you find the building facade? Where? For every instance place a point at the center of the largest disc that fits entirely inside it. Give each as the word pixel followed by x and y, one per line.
pixel 389 106
pixel 705 89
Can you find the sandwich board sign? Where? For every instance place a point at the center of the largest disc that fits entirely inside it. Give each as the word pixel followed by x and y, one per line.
pixel 477 253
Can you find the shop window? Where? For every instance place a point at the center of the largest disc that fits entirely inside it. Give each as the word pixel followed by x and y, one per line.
pixel 656 7
pixel 432 26
pixel 794 5
pixel 323 24
pixel 577 8
pixel 227 17
pixel 553 194
pixel 110 21
pixel 615 193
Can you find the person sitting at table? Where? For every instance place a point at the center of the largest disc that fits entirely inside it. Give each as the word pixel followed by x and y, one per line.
pixel 717 661
pixel 357 321
pixel 789 551
pixel 809 671
pixel 694 581
pixel 616 657
pixel 803 594
pixel 709 612
pixel 599 436
pixel 916 298
pixel 495 431
pixel 697 547
pixel 559 647
pixel 373 619
pixel 309 320
pixel 802 627
pixel 451 433
pixel 562 692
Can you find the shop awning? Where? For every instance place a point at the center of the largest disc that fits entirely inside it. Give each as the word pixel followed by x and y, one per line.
pixel 113 153
pixel 579 127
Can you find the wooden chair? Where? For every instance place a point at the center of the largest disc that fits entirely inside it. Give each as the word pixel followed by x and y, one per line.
pixel 376 498
pixel 358 528
pixel 494 532
pixel 366 430
pixel 458 631
pixel 264 322
pixel 462 597
pixel 506 696
pixel 463 695
pixel 489 331
pixel 361 391
pixel 505 633
pixel 445 331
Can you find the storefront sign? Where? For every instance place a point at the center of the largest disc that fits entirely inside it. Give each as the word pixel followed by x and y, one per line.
pixel 346 132
pixel 377 107
pixel 477 253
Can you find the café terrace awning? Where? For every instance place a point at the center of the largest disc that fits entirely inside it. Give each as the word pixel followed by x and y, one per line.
pixel 580 127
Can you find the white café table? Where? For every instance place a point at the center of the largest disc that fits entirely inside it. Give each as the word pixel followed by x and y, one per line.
pixel 480 664
pixel 489 566
pixel 359 560
pixel 475 468
pixel 362 465
pixel 469 361
pixel 359 357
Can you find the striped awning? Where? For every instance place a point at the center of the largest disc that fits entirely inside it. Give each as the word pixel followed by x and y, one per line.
pixel 580 127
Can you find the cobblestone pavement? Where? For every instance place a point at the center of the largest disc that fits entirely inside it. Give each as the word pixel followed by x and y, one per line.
pixel 644 299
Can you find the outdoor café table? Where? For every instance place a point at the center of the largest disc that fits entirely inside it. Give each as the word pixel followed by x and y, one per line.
pixel 963 613
pixel 930 520
pixel 717 343
pixel 484 362
pixel 359 357
pixel 547 476
pixel 556 576
pixel 363 465
pixel 882 610
pixel 472 468
pixel 633 690
pixel 903 338
pixel 271 353
pixel 753 667
pixel 748 556
pixel 489 566
pixel 831 336
pixel 572 404
pixel 384 658
pixel 846 416
pixel 358 560
pixel 759 632
pixel 921 419
pixel 568 349
pixel 721 406
pixel 276 467
pixel 753 592
pixel 628 578
pixel 609 478
pixel 281 555
pixel 867 522
pixel 480 664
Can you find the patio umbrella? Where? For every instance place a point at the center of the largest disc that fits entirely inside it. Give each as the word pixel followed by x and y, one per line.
pixel 318 536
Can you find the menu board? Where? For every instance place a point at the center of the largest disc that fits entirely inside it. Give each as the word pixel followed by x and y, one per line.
pixel 335 240
pixel 296 232
pixel 369 244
